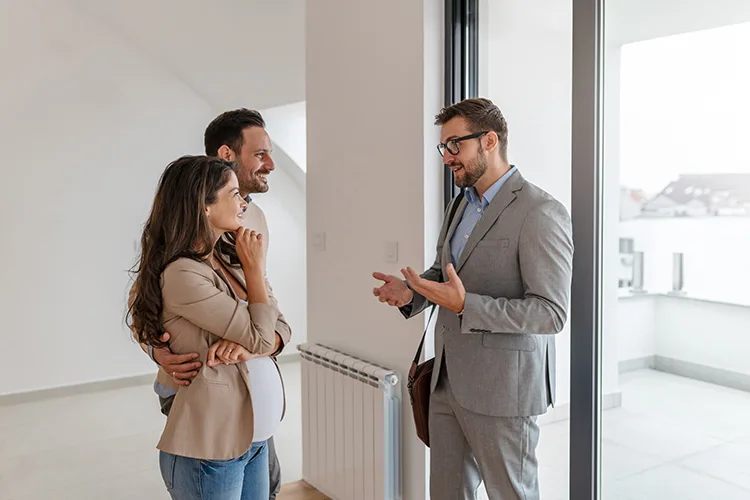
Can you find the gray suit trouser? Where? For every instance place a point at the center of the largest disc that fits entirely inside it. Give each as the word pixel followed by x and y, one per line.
pixel 274 468
pixel 466 448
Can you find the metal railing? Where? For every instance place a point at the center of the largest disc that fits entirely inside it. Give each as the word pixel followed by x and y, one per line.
pixel 638 270
pixel 678 274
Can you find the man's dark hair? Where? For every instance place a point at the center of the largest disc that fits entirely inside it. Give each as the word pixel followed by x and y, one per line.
pixel 481 114
pixel 227 129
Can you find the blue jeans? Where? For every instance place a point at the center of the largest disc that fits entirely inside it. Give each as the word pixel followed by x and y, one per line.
pixel 242 478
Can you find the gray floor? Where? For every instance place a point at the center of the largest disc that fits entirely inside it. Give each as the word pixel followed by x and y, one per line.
pixel 101 446
pixel 673 438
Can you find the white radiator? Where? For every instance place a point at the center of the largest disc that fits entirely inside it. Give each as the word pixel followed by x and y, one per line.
pixel 351 426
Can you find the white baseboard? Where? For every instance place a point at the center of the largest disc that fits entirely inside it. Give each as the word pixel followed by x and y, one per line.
pixel 72 390
pixel 631 365
pixel 695 371
pixel 101 385
pixel 709 374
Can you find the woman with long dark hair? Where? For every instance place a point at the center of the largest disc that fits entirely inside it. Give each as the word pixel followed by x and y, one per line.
pixel 200 277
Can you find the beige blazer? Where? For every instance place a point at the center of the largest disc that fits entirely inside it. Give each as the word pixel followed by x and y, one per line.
pixel 212 418
pixel 254 219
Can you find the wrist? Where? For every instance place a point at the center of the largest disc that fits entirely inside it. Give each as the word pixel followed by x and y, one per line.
pixel 461 306
pixel 252 268
pixel 254 278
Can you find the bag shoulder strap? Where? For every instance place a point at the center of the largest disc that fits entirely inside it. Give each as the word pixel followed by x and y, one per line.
pixel 454 209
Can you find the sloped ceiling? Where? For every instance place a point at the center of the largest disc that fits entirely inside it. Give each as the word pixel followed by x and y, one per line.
pixel 230 52
pixel 636 20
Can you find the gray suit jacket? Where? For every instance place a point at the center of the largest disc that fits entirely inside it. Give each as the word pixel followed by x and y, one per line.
pixel 516 268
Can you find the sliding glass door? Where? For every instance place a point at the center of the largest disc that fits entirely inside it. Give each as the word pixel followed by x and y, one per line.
pixel 661 208
pixel 673 182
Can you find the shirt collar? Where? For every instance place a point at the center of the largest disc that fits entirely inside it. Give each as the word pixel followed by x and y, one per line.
pixel 489 195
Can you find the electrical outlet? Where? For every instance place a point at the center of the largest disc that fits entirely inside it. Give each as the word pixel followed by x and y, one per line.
pixel 391 252
pixel 319 241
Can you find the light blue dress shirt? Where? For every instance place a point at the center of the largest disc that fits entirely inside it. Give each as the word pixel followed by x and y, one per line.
pixel 474 209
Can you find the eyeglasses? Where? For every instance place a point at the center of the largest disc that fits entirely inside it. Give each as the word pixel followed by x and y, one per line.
pixel 452 145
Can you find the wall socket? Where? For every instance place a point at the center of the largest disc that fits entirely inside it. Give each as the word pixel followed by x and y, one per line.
pixel 319 241
pixel 391 252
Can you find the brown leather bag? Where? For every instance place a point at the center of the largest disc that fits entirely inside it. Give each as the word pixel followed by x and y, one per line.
pixel 420 374
pixel 420 377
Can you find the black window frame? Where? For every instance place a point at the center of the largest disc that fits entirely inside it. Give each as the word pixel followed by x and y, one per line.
pixel 461 65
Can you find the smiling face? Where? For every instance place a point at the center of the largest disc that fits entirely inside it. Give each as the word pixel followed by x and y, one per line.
pixel 470 164
pixel 254 161
pixel 226 212
pixel 474 142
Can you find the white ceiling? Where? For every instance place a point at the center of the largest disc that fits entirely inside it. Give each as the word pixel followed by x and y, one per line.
pixel 635 20
pixel 232 53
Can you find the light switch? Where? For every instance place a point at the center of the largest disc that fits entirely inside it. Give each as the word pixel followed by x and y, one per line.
pixel 319 241
pixel 391 252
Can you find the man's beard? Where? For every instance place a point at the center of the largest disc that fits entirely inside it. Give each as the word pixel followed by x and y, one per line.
pixel 254 184
pixel 472 171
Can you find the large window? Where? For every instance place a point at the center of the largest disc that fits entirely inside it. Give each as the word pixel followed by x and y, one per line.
pixel 676 186
pixel 640 130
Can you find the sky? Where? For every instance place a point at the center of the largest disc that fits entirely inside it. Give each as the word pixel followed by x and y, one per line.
pixel 685 106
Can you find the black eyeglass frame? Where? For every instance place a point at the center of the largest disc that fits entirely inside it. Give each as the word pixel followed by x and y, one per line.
pixel 443 146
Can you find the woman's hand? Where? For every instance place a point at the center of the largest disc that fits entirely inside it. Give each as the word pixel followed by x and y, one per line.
pixel 250 251
pixel 249 246
pixel 227 352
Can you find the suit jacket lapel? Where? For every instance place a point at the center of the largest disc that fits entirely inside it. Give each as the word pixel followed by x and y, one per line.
pixel 446 257
pixel 502 200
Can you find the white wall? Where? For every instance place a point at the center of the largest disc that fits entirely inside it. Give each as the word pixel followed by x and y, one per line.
pixel 284 206
pixel 711 266
pixel 288 126
pixel 369 165
pixel 89 121
pixel 636 328
pixel 706 333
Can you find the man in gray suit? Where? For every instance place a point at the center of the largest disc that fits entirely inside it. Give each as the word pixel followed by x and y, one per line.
pixel 502 281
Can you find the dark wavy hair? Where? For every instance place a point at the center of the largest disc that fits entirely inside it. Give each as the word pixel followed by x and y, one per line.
pixel 177 227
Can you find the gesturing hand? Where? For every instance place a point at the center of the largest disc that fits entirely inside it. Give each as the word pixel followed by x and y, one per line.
pixel 393 292
pixel 450 295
